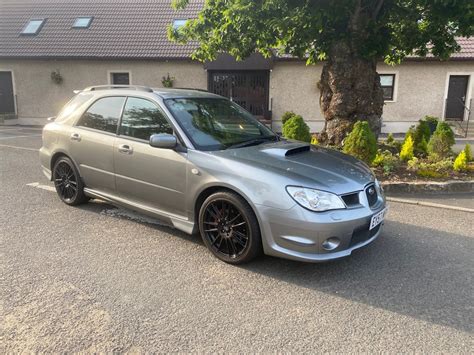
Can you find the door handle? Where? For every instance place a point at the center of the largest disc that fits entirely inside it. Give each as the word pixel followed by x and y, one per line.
pixel 125 148
pixel 76 137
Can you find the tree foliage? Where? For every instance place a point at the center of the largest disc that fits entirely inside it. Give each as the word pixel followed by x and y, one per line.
pixel 388 29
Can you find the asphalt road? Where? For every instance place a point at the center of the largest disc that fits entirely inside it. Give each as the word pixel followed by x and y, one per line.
pixel 97 278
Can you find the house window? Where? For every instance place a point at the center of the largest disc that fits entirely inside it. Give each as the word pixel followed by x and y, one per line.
pixel 82 22
pixel 33 27
pixel 120 78
pixel 387 81
pixel 179 23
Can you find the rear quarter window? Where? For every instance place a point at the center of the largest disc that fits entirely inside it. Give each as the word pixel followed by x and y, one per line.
pixel 74 104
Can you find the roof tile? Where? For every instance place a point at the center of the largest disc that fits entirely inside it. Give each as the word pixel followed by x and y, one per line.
pixel 124 29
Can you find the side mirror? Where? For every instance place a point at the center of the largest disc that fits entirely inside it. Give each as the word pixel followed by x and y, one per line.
pixel 163 140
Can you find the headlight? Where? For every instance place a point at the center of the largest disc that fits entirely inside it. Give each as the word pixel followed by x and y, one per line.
pixel 315 200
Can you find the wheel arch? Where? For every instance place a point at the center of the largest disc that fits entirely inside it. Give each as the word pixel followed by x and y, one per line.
pixel 209 190
pixel 58 154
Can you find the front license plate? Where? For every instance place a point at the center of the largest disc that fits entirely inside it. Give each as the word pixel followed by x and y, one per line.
pixel 377 219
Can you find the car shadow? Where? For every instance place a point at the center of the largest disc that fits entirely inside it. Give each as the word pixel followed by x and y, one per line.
pixel 101 207
pixel 415 271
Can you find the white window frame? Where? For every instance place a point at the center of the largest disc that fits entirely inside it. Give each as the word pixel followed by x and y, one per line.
pixel 468 91
pixel 14 88
pixel 110 72
pixel 396 78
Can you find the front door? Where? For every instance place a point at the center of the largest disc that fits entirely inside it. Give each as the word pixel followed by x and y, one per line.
pixel 249 89
pixel 456 101
pixel 7 100
pixel 150 176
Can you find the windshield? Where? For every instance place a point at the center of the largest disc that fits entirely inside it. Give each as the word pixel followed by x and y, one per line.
pixel 216 124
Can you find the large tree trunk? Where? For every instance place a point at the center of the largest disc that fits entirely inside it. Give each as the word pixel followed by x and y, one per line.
pixel 350 91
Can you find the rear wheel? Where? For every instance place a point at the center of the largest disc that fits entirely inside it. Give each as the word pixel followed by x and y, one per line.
pixel 229 228
pixel 68 183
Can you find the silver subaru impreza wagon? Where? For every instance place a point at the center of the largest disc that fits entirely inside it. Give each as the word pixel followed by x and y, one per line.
pixel 204 165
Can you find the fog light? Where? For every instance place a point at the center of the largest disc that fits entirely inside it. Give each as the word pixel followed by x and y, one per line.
pixel 331 243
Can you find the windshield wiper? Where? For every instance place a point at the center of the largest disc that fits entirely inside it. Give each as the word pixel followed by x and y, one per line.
pixel 253 141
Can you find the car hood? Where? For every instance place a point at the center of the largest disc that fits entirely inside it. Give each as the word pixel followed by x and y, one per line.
pixel 306 165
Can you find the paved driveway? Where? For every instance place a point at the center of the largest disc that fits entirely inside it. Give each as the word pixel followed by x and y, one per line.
pixel 98 278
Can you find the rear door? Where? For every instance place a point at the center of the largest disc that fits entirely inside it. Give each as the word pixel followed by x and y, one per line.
pixel 151 176
pixel 92 142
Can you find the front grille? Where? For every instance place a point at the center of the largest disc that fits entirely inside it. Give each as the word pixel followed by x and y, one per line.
pixel 371 193
pixel 351 199
pixel 362 234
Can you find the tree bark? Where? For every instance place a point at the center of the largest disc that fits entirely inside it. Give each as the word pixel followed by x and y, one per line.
pixel 350 91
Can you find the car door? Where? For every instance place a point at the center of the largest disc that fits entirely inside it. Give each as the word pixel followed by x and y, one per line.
pixel 92 142
pixel 151 176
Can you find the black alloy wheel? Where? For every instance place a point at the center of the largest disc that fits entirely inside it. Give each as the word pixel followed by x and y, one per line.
pixel 68 183
pixel 229 228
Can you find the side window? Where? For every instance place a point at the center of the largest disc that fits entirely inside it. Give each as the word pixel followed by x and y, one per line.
pixel 103 114
pixel 142 118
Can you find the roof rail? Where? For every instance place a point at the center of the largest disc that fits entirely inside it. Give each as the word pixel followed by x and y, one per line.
pixel 195 89
pixel 130 87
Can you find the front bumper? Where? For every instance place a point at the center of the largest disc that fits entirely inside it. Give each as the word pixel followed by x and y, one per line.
pixel 298 234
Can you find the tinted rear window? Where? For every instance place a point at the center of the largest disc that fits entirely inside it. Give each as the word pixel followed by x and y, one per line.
pixel 103 114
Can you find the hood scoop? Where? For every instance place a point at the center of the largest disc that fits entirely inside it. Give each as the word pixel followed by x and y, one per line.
pixel 285 152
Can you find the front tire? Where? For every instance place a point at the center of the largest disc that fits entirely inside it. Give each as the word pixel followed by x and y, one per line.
pixel 229 228
pixel 68 183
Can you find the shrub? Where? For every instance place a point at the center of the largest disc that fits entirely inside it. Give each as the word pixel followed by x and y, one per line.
pixel 427 173
pixel 407 149
pixel 386 160
pixel 432 123
pixel 398 145
pixel 286 116
pixel 413 164
pixel 460 164
pixel 361 142
pixel 429 169
pixel 468 151
pixel 296 128
pixel 390 139
pixel 410 133
pixel 422 130
pixel 441 142
pixel 421 137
